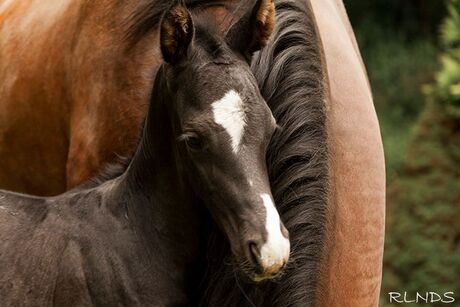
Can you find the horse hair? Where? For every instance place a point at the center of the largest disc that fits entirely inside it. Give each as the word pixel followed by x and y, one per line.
pixel 291 79
pixel 148 13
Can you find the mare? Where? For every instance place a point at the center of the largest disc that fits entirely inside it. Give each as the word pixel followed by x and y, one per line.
pixel 79 74
pixel 137 239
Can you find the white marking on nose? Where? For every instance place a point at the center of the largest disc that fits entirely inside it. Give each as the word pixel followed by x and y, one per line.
pixel 275 252
pixel 229 113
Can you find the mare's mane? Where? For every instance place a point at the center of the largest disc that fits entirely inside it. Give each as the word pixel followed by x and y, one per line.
pixel 292 80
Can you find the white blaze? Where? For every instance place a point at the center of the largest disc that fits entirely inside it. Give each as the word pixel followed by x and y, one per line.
pixel 229 113
pixel 276 250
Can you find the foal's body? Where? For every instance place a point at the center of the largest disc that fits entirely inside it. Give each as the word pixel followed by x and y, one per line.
pixel 86 248
pixel 133 240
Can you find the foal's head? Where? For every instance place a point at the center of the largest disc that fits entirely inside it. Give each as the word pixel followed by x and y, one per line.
pixel 223 127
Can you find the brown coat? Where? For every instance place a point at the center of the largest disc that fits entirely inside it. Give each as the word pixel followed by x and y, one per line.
pixel 353 268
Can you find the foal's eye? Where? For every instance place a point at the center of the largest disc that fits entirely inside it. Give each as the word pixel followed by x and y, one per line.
pixel 194 142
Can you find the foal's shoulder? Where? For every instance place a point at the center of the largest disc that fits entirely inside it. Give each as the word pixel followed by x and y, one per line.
pixel 7 196
pixel 43 220
pixel 31 209
pixel 62 211
pixel 14 202
pixel 22 215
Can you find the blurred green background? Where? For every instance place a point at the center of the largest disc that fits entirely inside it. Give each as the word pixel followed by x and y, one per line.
pixel 412 52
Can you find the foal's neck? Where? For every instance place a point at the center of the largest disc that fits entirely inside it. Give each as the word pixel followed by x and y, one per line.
pixel 158 200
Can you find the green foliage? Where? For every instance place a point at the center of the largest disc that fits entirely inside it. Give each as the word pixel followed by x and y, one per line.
pixel 421 134
pixel 423 228
pixel 423 225
pixel 407 18
pixel 450 29
pixel 447 86
pixel 397 69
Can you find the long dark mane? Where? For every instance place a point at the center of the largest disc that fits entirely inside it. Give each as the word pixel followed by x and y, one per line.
pixel 291 78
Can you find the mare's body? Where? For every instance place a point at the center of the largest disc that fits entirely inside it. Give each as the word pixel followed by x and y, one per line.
pixel 73 95
pixel 352 267
pixel 71 150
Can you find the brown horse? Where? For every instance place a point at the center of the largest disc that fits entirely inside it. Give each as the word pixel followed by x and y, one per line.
pixel 85 67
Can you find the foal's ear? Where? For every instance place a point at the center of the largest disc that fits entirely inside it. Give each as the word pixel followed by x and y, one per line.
pixel 253 30
pixel 176 32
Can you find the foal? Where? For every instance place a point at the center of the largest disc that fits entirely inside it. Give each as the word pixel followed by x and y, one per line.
pixel 135 239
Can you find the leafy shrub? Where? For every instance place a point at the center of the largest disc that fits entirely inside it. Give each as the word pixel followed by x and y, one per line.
pixel 447 86
pixel 397 70
pixel 423 225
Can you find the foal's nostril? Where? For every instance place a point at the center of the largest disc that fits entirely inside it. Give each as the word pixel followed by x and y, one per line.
pixel 255 254
pixel 284 231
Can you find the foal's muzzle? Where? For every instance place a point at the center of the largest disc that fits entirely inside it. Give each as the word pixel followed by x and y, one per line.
pixel 268 257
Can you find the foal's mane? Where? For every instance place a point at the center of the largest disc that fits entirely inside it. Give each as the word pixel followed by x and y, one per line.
pixel 291 79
